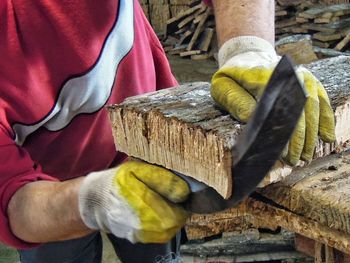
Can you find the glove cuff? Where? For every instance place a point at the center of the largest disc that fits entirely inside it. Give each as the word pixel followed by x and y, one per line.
pixel 245 44
pixel 94 196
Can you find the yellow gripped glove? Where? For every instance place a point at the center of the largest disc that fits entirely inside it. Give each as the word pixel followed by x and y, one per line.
pixel 136 201
pixel 246 65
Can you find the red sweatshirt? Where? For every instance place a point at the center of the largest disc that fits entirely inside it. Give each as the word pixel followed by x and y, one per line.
pixel 61 62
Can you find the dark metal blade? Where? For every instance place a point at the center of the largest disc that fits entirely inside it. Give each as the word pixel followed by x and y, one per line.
pixel 262 141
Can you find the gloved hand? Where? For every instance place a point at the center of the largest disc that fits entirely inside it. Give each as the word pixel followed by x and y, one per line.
pixel 246 65
pixel 136 201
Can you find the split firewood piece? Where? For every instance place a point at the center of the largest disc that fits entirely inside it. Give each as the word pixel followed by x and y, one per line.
pixel 199 29
pixel 326 11
pixel 344 43
pixel 205 39
pixel 182 128
pixel 190 53
pixel 298 47
pixel 289 2
pixel 329 28
pixel 192 17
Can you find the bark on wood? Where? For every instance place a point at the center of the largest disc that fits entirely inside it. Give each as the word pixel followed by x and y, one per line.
pixel 299 47
pixel 320 192
pixel 182 129
pixel 274 216
pixel 232 220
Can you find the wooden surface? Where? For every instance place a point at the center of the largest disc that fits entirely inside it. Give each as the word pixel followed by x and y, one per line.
pixel 245 246
pixel 313 201
pixel 182 129
pixel 320 192
pixel 272 215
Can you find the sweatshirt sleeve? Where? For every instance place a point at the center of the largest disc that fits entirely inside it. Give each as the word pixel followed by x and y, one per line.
pixel 16 170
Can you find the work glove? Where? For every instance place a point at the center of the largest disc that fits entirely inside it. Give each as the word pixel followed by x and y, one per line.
pixel 136 201
pixel 246 65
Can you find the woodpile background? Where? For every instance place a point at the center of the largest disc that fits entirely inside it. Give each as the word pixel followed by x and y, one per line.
pixel 187 28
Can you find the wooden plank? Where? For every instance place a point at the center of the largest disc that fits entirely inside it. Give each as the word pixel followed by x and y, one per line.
pixel 326 11
pixel 199 29
pixel 323 44
pixel 343 44
pixel 286 23
pixel 171 24
pixel 281 13
pixel 329 251
pixel 192 17
pixel 182 128
pixel 190 53
pixel 299 224
pixel 289 2
pixel 178 49
pixel 205 39
pixel 328 52
pixel 307 247
pixel 318 252
pixel 202 56
pixel 185 37
pixel 326 20
pixel 335 1
pixel 325 37
pixel 329 28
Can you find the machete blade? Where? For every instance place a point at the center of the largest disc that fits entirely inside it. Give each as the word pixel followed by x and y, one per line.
pixel 260 144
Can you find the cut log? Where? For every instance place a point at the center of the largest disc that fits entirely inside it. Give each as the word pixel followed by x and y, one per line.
pixel 182 129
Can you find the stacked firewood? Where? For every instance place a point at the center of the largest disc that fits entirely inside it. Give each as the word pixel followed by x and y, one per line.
pixel 329 25
pixel 191 33
pixel 286 16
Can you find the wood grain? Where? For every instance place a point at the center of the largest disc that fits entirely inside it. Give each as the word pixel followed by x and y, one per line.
pixel 182 129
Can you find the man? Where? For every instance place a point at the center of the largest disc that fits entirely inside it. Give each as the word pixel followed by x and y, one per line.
pixel 61 179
